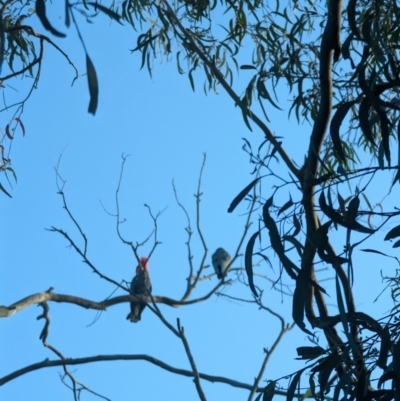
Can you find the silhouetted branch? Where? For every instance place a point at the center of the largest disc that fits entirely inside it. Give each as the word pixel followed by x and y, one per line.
pixel 192 363
pixel 77 386
pixel 189 231
pixel 49 296
pixel 268 352
pixel 83 253
pixel 198 220
pixel 125 357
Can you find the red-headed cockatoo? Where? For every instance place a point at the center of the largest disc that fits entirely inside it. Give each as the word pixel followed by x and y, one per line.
pixel 141 285
pixel 220 261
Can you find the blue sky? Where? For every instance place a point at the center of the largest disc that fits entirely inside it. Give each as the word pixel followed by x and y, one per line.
pixel 165 128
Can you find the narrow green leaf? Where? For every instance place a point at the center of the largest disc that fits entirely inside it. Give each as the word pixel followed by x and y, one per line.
pixel 297 244
pixel 339 219
pixel 144 53
pixel 375 251
pixel 343 318
pixel 393 233
pixel 367 201
pixel 143 40
pixel 397 176
pixel 178 63
pixel 346 47
pixel 330 363
pixel 311 392
pixel 363 116
pixel 341 308
pixel 367 29
pixel 4 190
pixel 276 243
pixel 93 86
pixel 286 206
pixel 381 161
pixel 8 132
pixel 296 224
pixel 352 209
pixel 309 352
pixel 21 124
pixel 112 14
pixel 258 398
pixel 13 173
pixel 385 133
pixel 270 224
pixel 396 369
pixel 343 384
pixel 40 8
pixel 320 236
pixel 269 202
pixel 362 78
pixel 248 261
pixel 245 110
pixel 299 300
pixel 247 67
pixel 293 384
pixel 248 144
pixel 275 149
pixel 249 91
pixel 242 195
pixel 386 344
pixel 263 92
pixel 336 122
pixel 191 80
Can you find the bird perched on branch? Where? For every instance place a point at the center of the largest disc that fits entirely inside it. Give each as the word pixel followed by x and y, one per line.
pixel 141 285
pixel 220 262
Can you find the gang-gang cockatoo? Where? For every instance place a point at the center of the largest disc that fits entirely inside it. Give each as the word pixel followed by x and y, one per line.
pixel 220 261
pixel 141 285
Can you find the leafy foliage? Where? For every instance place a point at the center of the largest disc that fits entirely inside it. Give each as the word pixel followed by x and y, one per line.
pixel 340 65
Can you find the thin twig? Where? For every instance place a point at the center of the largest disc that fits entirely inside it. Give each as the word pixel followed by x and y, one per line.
pixel 156 310
pixel 77 386
pixel 268 352
pixel 85 258
pixel 188 243
pixel 154 232
pixel 191 360
pixel 198 195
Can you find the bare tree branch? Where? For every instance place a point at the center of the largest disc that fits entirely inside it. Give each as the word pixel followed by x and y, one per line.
pixel 189 231
pixel 192 284
pixel 192 363
pixel 76 386
pixel 126 357
pixel 268 352
pixel 7 311
pixel 83 253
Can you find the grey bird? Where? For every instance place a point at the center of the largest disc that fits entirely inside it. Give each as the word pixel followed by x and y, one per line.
pixel 220 261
